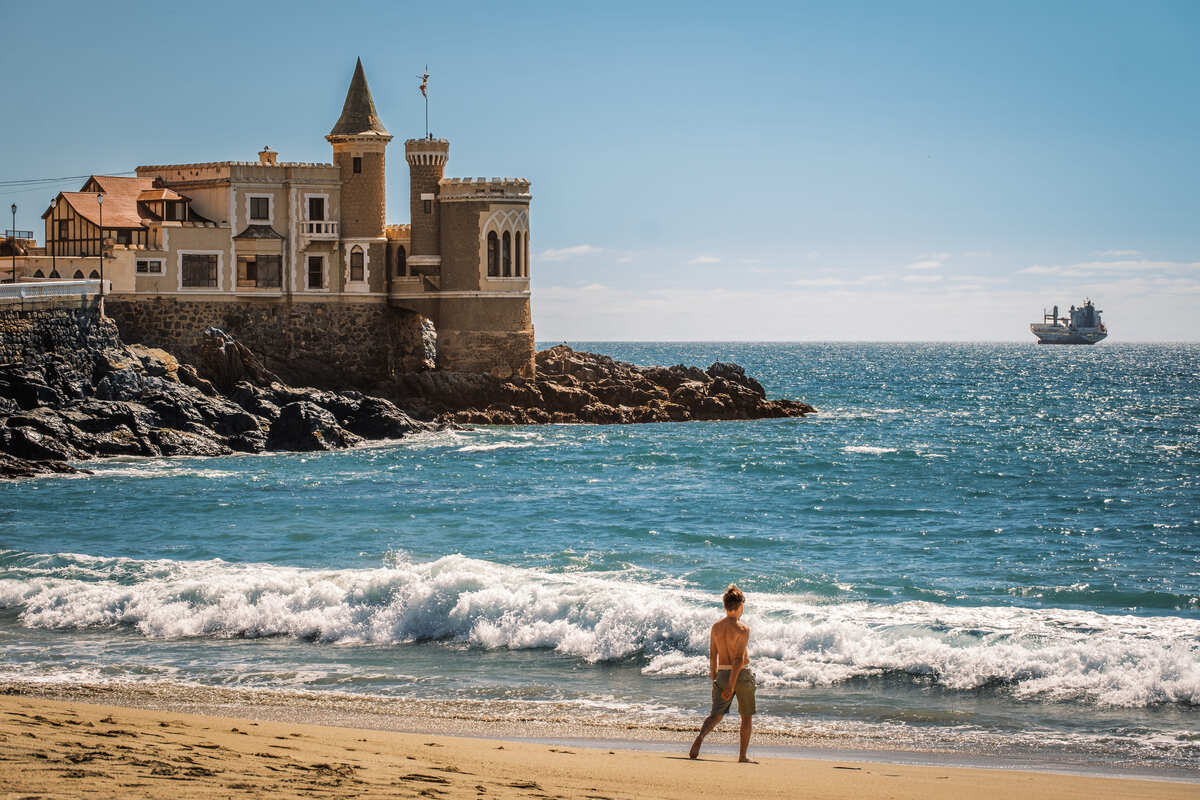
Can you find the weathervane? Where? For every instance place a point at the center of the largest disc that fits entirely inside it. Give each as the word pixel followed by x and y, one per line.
pixel 425 93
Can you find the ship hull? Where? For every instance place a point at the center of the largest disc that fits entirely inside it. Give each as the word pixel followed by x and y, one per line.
pixel 1059 334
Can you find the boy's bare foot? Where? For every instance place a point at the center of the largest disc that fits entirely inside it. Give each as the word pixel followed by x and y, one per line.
pixel 695 751
pixel 744 760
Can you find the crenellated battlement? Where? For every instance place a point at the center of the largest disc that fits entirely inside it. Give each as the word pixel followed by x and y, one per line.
pixel 506 189
pixel 427 152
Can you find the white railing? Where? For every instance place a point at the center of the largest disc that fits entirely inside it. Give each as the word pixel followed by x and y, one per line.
pixel 319 229
pixel 20 292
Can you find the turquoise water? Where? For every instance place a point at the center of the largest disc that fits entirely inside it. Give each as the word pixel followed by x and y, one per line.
pixel 974 546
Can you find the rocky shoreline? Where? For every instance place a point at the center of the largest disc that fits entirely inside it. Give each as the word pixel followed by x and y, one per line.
pixel 101 398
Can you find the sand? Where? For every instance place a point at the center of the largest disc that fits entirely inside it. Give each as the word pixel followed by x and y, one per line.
pixel 57 749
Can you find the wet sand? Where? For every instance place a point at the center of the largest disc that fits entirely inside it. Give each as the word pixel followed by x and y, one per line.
pixel 59 749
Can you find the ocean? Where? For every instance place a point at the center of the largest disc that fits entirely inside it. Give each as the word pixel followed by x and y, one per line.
pixel 972 548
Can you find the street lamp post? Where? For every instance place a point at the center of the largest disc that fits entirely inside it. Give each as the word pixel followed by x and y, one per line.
pixel 100 204
pixel 14 243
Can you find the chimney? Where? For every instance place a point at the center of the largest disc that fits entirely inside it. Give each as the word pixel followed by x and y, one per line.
pixel 267 156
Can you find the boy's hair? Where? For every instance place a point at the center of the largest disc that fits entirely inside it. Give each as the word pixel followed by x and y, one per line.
pixel 733 597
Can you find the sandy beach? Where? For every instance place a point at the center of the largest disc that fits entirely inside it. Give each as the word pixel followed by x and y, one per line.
pixel 60 749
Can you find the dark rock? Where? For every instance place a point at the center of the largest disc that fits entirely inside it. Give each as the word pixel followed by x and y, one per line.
pixel 307 426
pixel 225 361
pixel 12 467
pixel 565 398
pixel 190 377
pixel 182 443
pixel 381 419
pixel 256 400
pixel 575 386
pixel 34 443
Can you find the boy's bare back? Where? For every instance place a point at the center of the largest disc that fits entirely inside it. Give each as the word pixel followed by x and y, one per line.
pixel 729 638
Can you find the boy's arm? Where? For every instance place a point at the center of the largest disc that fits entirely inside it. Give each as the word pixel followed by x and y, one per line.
pixel 712 656
pixel 739 660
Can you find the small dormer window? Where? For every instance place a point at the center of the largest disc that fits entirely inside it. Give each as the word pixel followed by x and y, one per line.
pixel 173 210
pixel 357 164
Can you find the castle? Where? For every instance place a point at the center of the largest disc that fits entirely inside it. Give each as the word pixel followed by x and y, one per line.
pixel 297 258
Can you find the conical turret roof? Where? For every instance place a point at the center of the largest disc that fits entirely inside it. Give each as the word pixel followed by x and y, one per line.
pixel 359 117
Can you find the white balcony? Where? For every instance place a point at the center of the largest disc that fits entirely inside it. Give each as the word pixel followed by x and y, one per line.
pixel 318 229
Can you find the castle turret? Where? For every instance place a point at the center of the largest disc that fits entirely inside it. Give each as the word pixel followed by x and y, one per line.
pixel 359 144
pixel 426 162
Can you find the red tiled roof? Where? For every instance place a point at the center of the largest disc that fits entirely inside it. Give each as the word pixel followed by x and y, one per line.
pixel 121 196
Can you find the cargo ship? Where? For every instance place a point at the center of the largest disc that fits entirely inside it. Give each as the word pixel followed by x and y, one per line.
pixel 1082 326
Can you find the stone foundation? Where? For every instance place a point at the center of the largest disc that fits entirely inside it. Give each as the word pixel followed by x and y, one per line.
pixel 501 355
pixel 70 332
pixel 327 345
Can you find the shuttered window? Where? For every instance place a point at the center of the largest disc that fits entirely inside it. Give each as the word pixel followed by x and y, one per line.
pixel 199 270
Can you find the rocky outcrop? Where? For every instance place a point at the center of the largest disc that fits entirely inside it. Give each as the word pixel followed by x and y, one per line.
pixel 576 386
pixel 124 400
pixel 71 390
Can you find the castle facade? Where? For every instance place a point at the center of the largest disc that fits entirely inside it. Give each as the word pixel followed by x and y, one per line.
pixel 194 243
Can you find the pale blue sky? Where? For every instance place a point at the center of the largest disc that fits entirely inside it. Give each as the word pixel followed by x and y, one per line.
pixel 700 171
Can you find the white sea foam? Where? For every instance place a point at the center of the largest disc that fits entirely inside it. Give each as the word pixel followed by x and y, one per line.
pixel 1049 654
pixel 867 449
pixel 484 447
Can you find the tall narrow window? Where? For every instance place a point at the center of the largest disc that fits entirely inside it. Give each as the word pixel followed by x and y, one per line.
pixel 428 205
pixel 507 254
pixel 493 254
pixel 401 262
pixel 316 209
pixel 316 272
pixel 357 164
pixel 260 209
pixel 64 229
pixel 517 254
pixel 356 264
pixel 526 255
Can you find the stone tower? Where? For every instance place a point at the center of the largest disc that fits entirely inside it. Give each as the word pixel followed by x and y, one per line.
pixel 426 163
pixel 359 147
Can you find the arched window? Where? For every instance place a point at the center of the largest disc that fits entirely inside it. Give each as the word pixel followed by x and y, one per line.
pixel 38 274
pixel 507 254
pixel 78 275
pixel 356 264
pixel 493 248
pixel 401 262
pixel 527 255
pixel 54 274
pixel 95 275
pixel 517 254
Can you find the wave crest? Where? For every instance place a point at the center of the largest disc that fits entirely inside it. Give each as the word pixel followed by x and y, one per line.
pixel 1043 654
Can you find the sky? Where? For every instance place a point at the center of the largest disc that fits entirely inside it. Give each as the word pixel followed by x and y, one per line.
pixel 701 171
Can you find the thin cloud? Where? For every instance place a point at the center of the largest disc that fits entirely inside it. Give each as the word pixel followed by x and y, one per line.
pixel 1117 254
pixel 563 253
pixel 926 263
pixel 1087 269
pixel 922 278
pixel 705 260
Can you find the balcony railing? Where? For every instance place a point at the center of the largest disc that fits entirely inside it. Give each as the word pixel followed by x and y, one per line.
pixel 20 292
pixel 319 229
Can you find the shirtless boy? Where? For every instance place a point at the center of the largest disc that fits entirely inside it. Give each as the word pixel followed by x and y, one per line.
pixel 727 668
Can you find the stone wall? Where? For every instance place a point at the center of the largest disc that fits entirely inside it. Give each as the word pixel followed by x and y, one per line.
pixel 328 345
pixel 363 194
pixel 71 331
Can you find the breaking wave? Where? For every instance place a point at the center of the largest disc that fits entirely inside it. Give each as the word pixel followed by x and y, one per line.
pixel 1038 654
